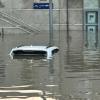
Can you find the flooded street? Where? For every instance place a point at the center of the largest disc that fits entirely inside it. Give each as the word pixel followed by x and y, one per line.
pixel 72 74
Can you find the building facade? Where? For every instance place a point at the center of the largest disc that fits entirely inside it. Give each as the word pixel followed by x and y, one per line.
pixel 75 13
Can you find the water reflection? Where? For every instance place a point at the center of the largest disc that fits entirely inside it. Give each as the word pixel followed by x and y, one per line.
pixel 91 37
pixel 2 71
pixel 43 80
pixel 91 58
pixel 91 50
pixel 51 84
pixel 81 70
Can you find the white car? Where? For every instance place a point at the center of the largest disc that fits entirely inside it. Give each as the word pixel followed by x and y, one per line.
pixel 46 51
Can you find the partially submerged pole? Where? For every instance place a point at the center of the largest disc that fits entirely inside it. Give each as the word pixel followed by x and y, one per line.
pixel 67 9
pixel 51 42
pixel 67 22
pixel 2 33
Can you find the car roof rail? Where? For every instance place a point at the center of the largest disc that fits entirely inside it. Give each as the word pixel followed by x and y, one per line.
pixel 20 45
pixel 48 46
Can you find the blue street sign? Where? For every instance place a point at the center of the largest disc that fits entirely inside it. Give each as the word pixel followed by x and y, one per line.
pixel 41 5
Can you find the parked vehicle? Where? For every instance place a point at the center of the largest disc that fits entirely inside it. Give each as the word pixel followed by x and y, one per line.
pixel 44 51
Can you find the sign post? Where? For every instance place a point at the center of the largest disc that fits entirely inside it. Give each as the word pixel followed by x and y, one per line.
pixel 51 42
pixel 48 4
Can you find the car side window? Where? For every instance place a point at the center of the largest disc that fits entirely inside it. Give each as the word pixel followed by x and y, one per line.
pixel 39 52
pixel 55 51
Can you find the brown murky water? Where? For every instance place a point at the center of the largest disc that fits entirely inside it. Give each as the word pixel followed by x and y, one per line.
pixel 72 74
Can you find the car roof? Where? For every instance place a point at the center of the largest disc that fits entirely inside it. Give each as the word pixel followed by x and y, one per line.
pixel 31 48
pixel 37 48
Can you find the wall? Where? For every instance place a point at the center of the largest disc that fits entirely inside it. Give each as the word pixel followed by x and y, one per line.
pixel 22 9
pixel 75 14
pixel 94 4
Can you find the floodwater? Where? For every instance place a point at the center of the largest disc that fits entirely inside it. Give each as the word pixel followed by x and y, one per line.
pixel 72 74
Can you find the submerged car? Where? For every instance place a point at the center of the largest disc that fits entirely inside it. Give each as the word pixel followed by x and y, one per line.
pixel 45 51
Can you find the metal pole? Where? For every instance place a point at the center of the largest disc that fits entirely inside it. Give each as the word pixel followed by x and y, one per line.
pixel 2 33
pixel 67 22
pixel 67 17
pixel 50 23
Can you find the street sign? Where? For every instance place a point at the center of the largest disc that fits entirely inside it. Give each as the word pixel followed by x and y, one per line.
pixel 41 6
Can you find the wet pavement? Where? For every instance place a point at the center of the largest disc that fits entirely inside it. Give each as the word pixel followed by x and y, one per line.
pixel 72 74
